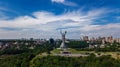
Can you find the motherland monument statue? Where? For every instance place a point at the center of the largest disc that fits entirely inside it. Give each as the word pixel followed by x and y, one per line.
pixel 62 46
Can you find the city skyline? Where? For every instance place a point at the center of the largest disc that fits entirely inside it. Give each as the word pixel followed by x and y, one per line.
pixel 45 18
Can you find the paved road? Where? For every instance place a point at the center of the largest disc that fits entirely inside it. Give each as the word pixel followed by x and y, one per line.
pixel 71 55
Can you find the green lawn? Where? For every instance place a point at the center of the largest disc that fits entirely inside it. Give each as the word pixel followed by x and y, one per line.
pixel 115 55
pixel 73 51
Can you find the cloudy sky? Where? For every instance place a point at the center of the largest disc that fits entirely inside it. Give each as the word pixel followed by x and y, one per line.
pixel 45 18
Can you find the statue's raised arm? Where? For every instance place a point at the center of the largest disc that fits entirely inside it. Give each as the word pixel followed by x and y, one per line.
pixel 60 32
pixel 65 32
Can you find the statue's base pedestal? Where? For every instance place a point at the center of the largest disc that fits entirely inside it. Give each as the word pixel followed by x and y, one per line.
pixel 65 52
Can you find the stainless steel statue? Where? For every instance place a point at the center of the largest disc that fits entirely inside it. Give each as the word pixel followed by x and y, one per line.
pixel 62 46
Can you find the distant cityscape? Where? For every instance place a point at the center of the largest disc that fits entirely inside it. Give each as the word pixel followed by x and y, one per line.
pixel 109 39
pixel 92 41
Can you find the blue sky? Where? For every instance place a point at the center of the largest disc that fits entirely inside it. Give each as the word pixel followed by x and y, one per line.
pixel 45 18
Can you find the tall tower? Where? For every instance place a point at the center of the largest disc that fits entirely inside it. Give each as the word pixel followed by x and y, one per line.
pixel 62 46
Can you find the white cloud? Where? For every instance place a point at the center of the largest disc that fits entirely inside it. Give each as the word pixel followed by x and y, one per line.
pixel 65 2
pixel 47 24
pixel 43 18
pixel 118 18
pixel 3 12
pixel 58 1
pixel 101 27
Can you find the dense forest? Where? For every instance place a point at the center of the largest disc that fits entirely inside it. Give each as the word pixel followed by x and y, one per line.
pixel 20 58
pixel 90 61
pixel 24 60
